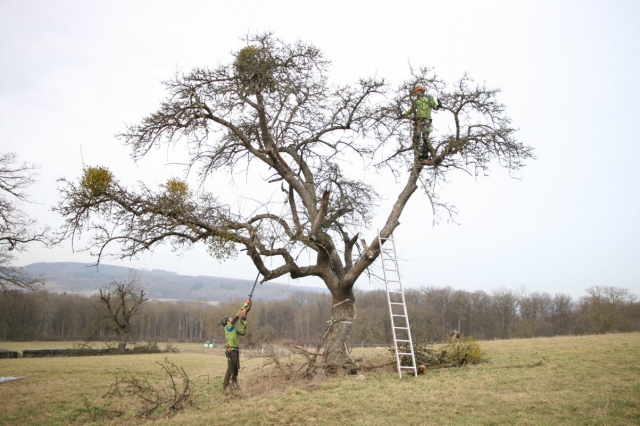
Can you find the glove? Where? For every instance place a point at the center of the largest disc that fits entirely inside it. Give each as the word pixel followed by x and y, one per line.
pixel 243 318
pixel 246 305
pixel 439 104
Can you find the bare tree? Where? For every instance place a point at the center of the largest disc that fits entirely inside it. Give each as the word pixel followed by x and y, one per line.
pixel 505 309
pixel 606 309
pixel 273 112
pixel 534 308
pixel 118 304
pixel 17 229
pixel 562 314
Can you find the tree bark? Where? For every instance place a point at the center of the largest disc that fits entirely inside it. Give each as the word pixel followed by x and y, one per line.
pixel 343 314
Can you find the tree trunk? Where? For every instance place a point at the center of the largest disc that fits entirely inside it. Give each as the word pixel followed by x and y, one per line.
pixel 122 344
pixel 343 313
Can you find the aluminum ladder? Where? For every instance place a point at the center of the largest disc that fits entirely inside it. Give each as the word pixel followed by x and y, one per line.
pixel 397 305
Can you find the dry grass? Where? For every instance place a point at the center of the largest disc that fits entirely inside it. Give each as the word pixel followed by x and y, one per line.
pixel 591 380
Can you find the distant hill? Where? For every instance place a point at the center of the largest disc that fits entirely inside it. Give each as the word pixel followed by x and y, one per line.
pixel 81 278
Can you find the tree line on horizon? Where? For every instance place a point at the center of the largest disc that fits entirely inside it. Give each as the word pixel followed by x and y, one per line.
pixel 301 319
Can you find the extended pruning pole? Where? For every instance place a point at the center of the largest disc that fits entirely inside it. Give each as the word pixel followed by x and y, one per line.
pixel 248 302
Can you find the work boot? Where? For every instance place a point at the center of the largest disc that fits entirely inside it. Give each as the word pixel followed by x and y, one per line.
pixel 425 151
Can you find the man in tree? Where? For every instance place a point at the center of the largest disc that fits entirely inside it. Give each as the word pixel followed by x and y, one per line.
pixel 421 110
pixel 272 115
pixel 232 335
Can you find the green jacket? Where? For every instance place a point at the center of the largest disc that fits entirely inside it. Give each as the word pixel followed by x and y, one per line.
pixel 422 107
pixel 233 333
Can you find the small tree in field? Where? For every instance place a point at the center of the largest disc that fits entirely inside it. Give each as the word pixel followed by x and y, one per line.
pixel 272 112
pixel 117 305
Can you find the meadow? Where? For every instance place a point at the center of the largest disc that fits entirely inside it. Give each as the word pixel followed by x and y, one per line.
pixel 577 380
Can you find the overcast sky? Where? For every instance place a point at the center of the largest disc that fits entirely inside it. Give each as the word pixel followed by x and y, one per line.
pixel 73 73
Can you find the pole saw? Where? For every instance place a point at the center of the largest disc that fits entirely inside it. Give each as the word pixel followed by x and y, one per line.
pixel 246 310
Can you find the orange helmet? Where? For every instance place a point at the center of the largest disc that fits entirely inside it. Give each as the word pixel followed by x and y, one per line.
pixel 418 89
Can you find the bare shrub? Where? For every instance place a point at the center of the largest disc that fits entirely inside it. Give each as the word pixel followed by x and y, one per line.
pixel 463 350
pixel 154 348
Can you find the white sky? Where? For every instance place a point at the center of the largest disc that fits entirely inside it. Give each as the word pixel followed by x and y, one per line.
pixel 72 73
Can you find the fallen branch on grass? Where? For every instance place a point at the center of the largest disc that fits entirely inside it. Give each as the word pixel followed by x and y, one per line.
pixel 535 364
pixel 96 412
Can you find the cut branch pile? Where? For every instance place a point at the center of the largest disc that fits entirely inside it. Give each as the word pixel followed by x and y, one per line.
pixel 298 365
pixel 149 398
pixel 425 356
pixel 457 352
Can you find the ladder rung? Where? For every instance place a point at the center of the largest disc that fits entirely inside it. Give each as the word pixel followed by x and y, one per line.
pixel 406 366
pixel 397 303
pixel 401 328
pixel 399 292
pixel 399 315
pixel 405 353
pixel 400 340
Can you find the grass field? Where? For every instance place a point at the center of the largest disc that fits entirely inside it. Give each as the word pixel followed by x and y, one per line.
pixel 587 380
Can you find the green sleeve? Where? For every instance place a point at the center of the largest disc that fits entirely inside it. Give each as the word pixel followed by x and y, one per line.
pixel 410 110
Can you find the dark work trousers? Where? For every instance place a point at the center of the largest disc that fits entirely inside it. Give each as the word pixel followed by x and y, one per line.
pixel 421 132
pixel 233 366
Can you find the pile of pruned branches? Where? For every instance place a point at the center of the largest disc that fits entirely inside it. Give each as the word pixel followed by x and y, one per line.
pixel 297 365
pixel 285 366
pixel 282 367
pixel 174 394
pixel 456 352
pixel 292 363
